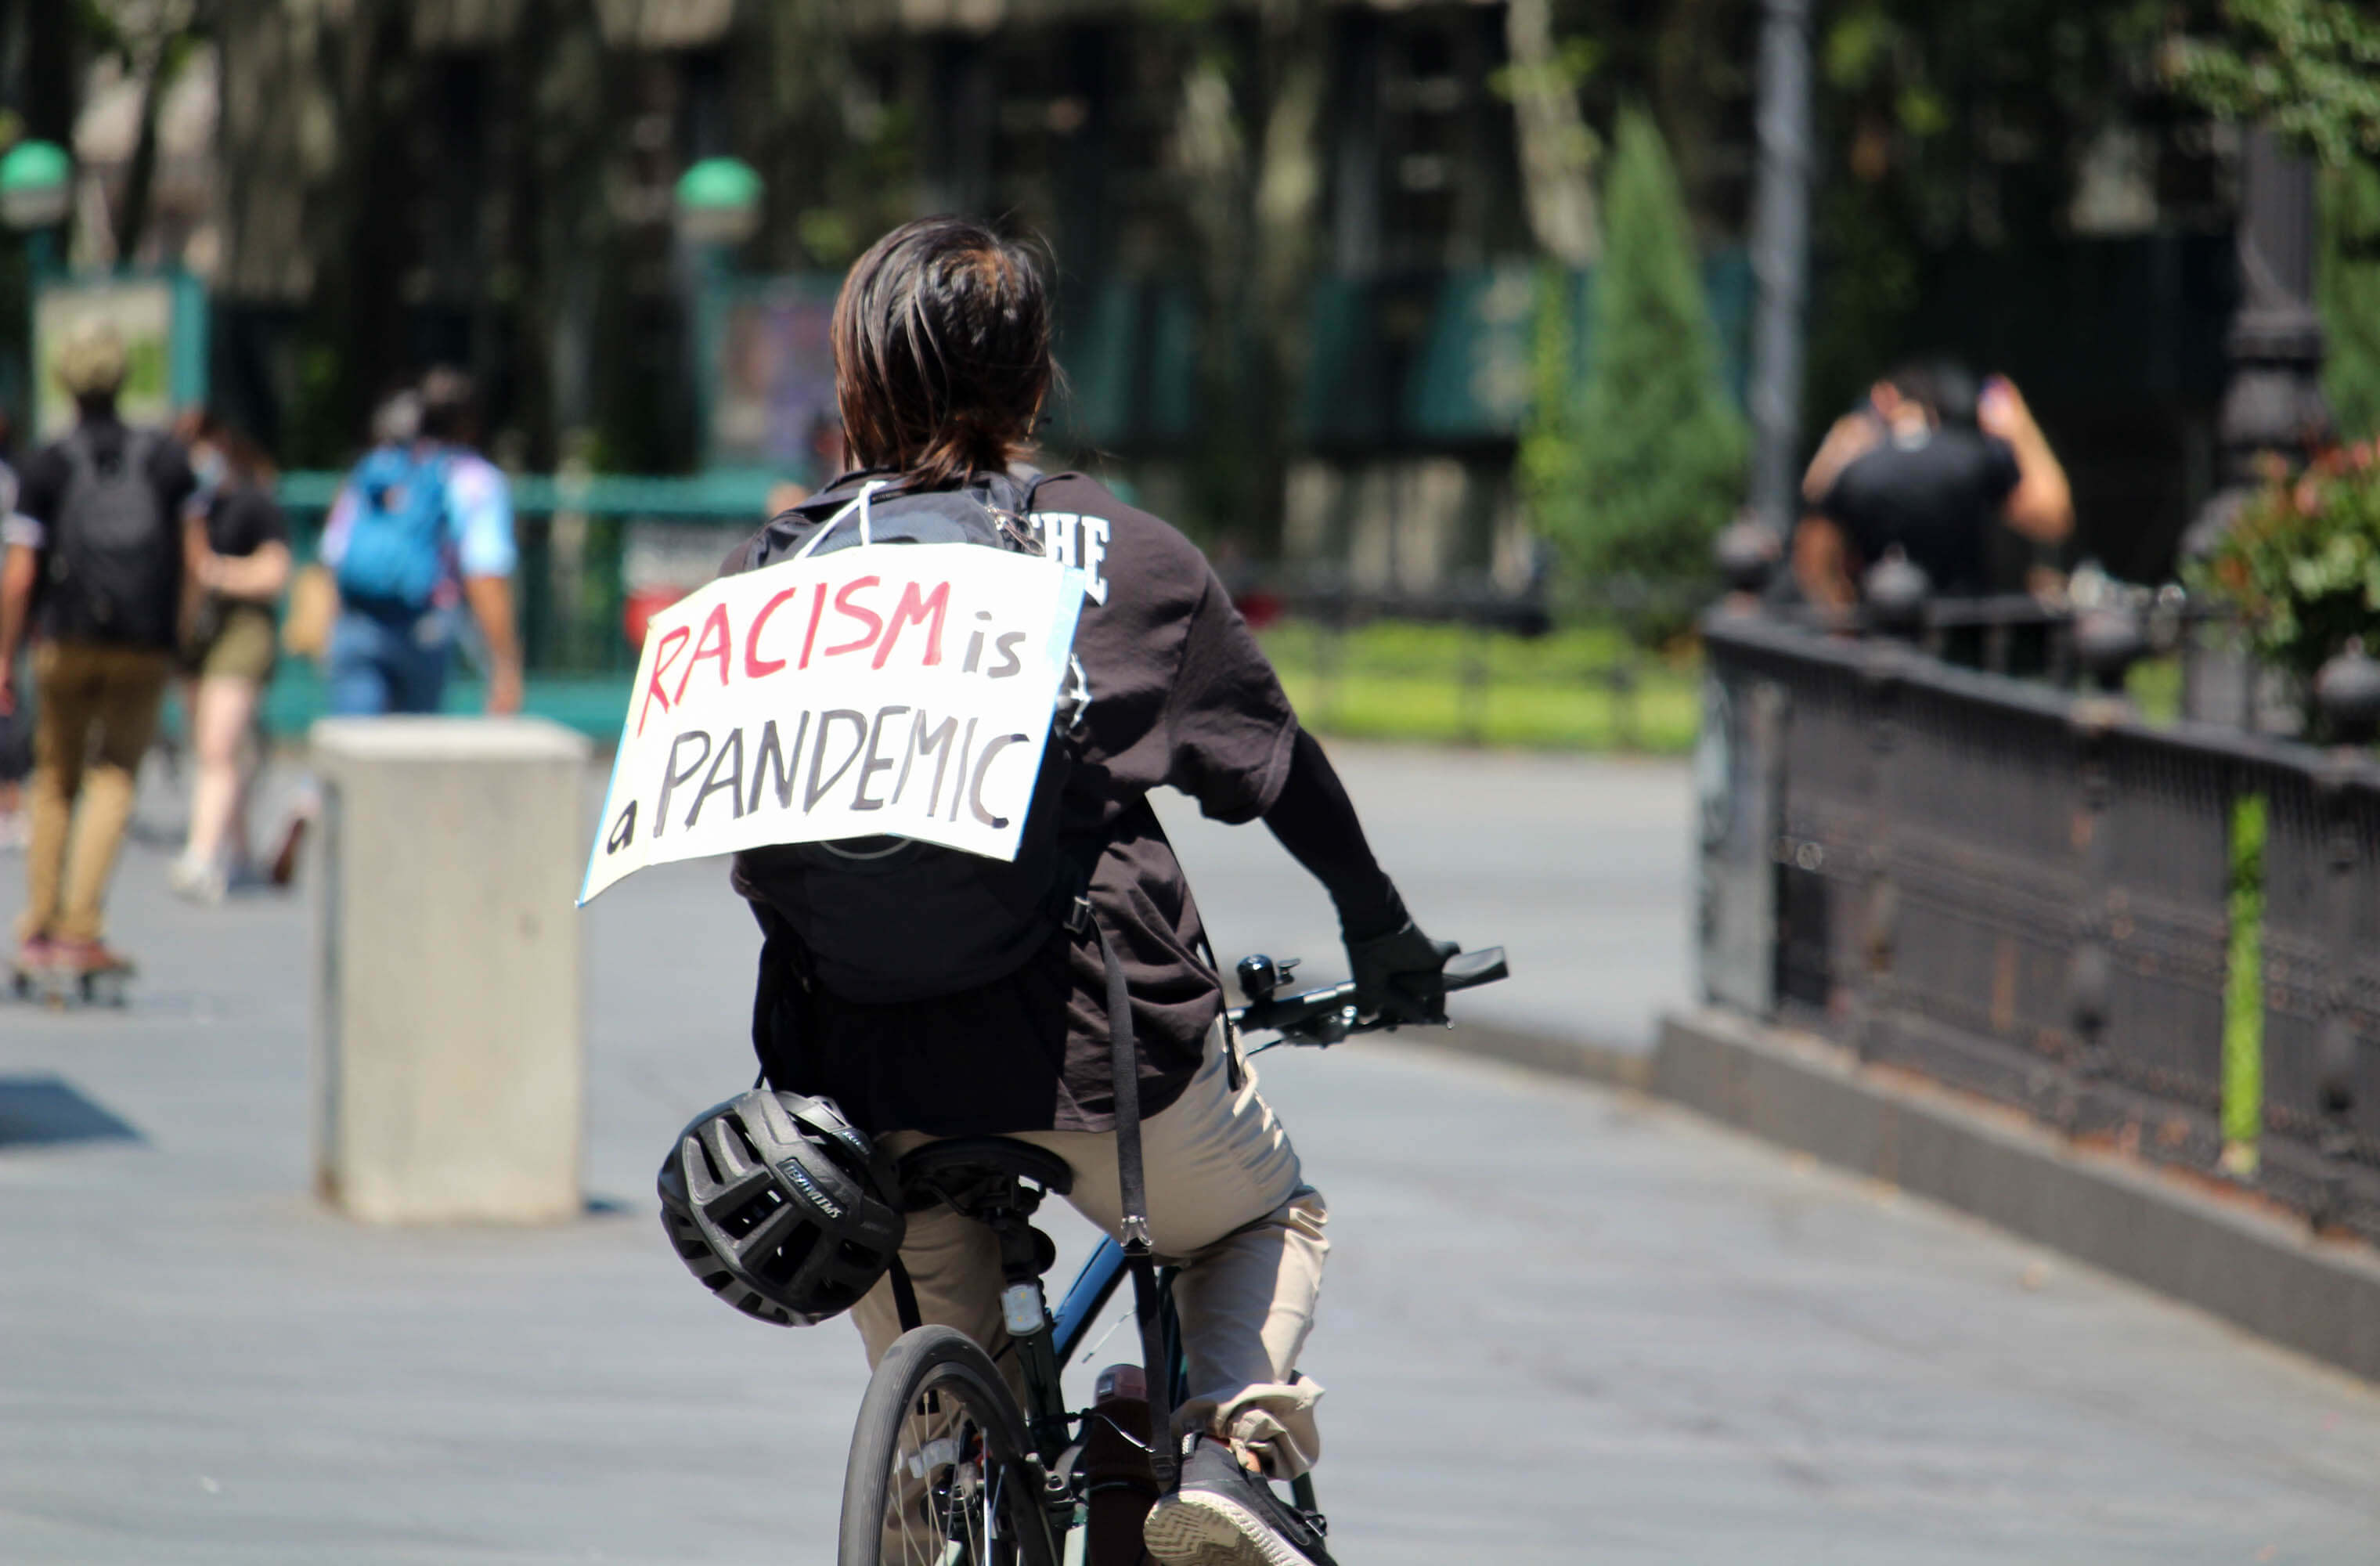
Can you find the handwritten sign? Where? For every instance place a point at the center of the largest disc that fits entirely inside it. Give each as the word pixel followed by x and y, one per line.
pixel 898 689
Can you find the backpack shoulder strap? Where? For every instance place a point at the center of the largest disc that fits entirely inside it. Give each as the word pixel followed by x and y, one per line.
pixel 1132 1182
pixel 436 470
pixel 75 446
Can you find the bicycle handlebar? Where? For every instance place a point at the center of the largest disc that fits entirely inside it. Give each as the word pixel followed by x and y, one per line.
pixel 1324 1016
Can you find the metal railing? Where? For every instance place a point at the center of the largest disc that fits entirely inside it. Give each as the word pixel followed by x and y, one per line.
pixel 582 541
pixel 2150 935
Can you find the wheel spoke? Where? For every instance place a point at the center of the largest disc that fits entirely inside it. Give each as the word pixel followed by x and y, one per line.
pixel 945 1445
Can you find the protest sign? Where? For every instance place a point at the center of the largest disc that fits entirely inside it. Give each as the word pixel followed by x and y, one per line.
pixel 897 689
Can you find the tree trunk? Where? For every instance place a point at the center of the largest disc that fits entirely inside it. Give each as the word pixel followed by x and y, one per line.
pixel 1557 151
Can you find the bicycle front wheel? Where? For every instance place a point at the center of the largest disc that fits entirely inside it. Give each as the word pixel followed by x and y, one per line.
pixel 939 1473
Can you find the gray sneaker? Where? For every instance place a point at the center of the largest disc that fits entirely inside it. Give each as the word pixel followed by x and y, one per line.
pixel 1223 1515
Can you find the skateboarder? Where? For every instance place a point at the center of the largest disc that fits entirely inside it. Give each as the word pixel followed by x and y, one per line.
pixel 101 535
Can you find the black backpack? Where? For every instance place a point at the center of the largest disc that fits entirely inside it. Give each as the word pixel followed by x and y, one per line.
pixel 115 557
pixel 889 918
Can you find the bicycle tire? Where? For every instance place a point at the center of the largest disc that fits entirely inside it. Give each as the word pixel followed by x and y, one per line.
pixel 1003 1524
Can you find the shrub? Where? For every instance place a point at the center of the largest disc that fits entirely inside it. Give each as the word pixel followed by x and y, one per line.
pixel 2300 565
pixel 1660 446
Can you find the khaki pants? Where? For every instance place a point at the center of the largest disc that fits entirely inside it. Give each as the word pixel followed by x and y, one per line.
pixel 1227 1206
pixel 98 710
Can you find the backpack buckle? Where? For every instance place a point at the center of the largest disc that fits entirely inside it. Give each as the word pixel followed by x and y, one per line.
pixel 1078 914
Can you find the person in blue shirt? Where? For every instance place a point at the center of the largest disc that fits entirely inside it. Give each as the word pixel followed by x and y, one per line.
pixel 422 528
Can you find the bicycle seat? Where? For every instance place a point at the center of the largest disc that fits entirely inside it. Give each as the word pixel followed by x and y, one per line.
pixel 982 1176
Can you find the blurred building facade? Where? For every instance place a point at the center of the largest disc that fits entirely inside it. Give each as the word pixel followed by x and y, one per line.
pixel 1295 242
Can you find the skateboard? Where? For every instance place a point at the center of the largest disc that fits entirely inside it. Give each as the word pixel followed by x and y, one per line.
pixel 58 985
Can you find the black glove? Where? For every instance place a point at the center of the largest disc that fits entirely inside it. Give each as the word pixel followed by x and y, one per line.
pixel 1396 975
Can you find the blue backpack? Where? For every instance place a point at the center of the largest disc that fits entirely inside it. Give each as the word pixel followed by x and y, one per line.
pixel 397 547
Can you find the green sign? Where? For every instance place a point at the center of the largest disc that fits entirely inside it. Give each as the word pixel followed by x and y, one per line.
pixel 163 319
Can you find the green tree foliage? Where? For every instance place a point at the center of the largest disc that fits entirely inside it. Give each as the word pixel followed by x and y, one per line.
pixel 1549 451
pixel 2308 68
pixel 1660 460
pixel 2347 290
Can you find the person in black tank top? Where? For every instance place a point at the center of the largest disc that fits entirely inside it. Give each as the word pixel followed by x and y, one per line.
pixel 1929 467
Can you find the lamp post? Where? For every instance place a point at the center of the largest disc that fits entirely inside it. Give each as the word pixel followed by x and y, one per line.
pixel 717 205
pixel 36 185
pixel 2273 401
pixel 718 202
pixel 36 189
pixel 1781 259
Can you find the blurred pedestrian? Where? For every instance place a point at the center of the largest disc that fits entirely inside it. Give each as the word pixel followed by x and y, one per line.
pixel 15 732
pixel 1928 466
pixel 422 528
pixel 237 548
pixel 828 460
pixel 102 537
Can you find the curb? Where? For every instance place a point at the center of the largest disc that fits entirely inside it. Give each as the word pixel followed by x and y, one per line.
pixel 1559 1056
pixel 2156 1227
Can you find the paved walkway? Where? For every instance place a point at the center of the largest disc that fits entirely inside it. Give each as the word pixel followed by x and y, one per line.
pixel 1580 868
pixel 1561 1326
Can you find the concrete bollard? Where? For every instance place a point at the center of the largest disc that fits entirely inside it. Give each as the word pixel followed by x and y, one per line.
pixel 449 1026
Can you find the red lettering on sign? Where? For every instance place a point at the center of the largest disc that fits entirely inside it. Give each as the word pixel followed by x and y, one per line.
pixel 672 644
pixel 844 606
pixel 755 666
pixel 710 646
pixel 809 638
pixel 912 611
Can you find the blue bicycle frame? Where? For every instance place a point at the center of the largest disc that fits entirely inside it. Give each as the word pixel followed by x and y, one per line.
pixel 1092 1288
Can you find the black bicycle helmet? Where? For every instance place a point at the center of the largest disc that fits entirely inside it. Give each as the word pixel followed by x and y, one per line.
pixel 781 1207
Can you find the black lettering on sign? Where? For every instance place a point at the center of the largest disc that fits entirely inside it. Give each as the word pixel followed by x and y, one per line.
pixel 623 830
pixel 1005 645
pixel 673 775
pixel 966 749
pixel 814 790
pixel 778 764
pixel 939 741
pixel 722 778
pixel 974 794
pixel 874 763
pixel 974 643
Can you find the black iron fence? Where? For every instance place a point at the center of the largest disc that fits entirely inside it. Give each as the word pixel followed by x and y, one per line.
pixel 2160 936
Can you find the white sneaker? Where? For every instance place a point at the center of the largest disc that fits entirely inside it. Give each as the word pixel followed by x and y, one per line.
pixel 203 885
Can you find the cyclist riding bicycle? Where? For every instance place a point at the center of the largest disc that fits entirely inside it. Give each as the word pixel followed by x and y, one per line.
pixel 943 361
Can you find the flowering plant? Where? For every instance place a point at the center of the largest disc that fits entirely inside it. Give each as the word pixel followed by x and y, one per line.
pixel 2300 565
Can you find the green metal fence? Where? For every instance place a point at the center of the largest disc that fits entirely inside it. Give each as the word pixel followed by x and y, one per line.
pixel 586 544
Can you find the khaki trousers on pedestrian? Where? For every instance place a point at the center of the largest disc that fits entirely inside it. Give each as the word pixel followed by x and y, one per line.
pixel 1227 1206
pixel 98 711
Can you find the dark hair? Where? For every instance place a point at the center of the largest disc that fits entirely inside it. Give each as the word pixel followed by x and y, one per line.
pixel 450 406
pixel 942 351
pixel 244 458
pixel 1943 387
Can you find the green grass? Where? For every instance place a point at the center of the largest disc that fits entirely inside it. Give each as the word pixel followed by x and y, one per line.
pixel 2243 989
pixel 2154 685
pixel 1431 685
pixel 1447 684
